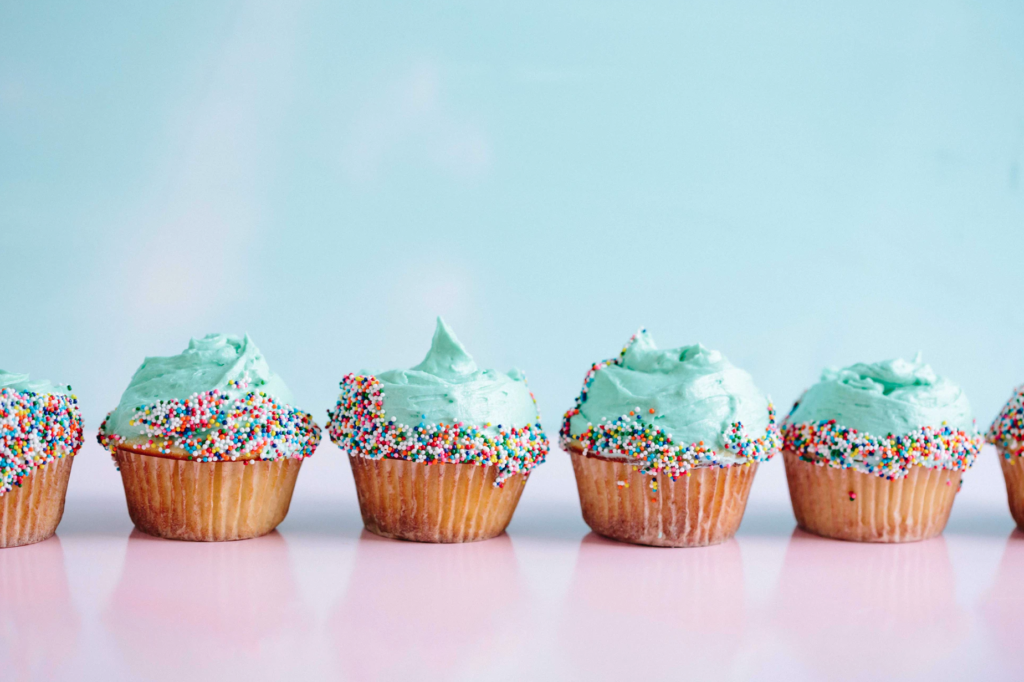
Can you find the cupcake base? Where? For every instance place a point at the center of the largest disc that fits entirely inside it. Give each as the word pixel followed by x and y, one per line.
pixel 206 501
pixel 1013 474
pixel 851 505
pixel 704 508
pixel 434 502
pixel 32 512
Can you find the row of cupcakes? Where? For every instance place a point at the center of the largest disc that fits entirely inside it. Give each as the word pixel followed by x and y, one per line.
pixel 664 444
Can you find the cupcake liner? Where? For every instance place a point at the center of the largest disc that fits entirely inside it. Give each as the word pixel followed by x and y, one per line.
pixel 206 501
pixel 846 504
pixel 703 508
pixel 1013 473
pixel 442 502
pixel 31 513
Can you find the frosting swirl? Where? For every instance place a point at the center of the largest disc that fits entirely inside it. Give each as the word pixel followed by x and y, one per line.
pixel 695 393
pixel 884 418
pixel 443 410
pixel 671 410
pixel 22 382
pixel 882 398
pixel 215 401
pixel 447 387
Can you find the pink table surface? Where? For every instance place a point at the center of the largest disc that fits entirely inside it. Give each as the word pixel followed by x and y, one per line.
pixel 322 599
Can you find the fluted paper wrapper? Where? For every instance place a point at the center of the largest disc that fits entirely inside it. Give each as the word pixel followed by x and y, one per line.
pixel 704 508
pixel 206 501
pixel 851 505
pixel 31 513
pixel 434 502
pixel 1013 474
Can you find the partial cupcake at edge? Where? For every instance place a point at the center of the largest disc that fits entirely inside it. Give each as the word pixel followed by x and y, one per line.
pixel 40 433
pixel 208 443
pixel 665 444
pixel 875 452
pixel 1007 434
pixel 440 452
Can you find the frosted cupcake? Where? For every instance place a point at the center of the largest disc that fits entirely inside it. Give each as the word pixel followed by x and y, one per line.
pixel 439 452
pixel 874 452
pixel 665 444
pixel 208 443
pixel 40 433
pixel 1007 434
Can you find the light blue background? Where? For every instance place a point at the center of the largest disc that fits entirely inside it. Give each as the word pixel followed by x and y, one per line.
pixel 807 185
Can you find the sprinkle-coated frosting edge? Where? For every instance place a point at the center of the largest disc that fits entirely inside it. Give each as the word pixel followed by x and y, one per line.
pixel 214 427
pixel 827 443
pixel 359 426
pixel 1007 430
pixel 35 429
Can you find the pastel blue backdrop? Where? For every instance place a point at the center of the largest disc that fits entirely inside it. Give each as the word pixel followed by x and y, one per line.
pixel 800 185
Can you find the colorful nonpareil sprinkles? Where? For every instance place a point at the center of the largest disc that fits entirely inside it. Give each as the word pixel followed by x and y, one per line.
pixel 827 443
pixel 214 427
pixel 650 449
pixel 359 426
pixel 35 429
pixel 1007 431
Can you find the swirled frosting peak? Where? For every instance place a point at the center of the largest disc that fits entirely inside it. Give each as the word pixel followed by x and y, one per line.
pixel 231 365
pixel 215 401
pixel 892 397
pixel 691 393
pixel 443 410
pixel 448 387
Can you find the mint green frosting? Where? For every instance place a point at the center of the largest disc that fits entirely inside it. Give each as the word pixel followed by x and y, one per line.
pixel 447 387
pixel 214 362
pixel 892 397
pixel 22 382
pixel 696 394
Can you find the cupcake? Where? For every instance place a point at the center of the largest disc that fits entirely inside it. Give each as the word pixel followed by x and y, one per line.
pixel 208 443
pixel 1007 434
pixel 40 433
pixel 665 444
pixel 874 452
pixel 439 452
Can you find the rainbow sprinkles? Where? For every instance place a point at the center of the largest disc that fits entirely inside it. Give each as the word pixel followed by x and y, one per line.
pixel 651 450
pixel 890 457
pixel 214 427
pixel 360 427
pixel 35 429
pixel 1007 431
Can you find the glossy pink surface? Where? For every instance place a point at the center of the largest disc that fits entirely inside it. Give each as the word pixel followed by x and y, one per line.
pixel 321 599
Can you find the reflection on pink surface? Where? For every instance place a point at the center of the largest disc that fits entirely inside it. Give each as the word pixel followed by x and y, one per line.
pixel 38 623
pixel 1004 605
pixel 419 611
pixel 217 607
pixel 854 610
pixel 654 613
